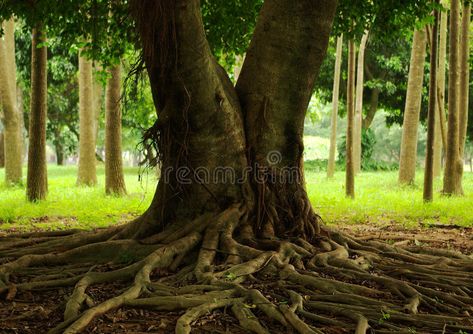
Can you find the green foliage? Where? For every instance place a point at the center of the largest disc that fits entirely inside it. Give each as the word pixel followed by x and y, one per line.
pixel 368 141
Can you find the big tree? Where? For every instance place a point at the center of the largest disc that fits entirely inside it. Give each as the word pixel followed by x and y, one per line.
pixel 231 226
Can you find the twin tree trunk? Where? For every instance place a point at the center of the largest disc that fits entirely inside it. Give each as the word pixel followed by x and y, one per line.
pixel 114 180
pixel 87 174
pixel 205 124
pixel 334 117
pixel 357 150
pixel 408 158
pixel 452 184
pixel 13 141
pixel 37 179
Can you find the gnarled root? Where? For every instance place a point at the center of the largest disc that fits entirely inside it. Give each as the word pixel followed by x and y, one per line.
pixel 332 283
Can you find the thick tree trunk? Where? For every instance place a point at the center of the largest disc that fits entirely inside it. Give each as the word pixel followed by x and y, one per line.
pixel 334 118
pixel 360 81
pixel 114 179
pixel 464 81
pixel 440 120
pixel 37 179
pixel 350 163
pixel 408 158
pixel 452 184
pixel 429 157
pixel 198 110
pixel 12 135
pixel 87 174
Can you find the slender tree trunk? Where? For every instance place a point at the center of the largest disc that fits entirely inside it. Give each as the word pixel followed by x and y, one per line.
pixel 98 102
pixel 357 129
pixel 114 179
pixel 12 135
pixel 87 174
pixel 464 80
pixel 37 179
pixel 2 151
pixel 350 167
pixel 408 158
pixel 334 118
pixel 441 122
pixel 429 157
pixel 452 184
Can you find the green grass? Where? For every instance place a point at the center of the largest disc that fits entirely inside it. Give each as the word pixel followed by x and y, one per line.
pixel 69 206
pixel 378 200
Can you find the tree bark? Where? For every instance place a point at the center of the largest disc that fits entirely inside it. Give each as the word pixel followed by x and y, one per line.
pixel 98 102
pixel 37 179
pixel 452 184
pixel 464 80
pixel 58 147
pixel 408 158
pixel 12 135
pixel 441 122
pixel 350 166
pixel 357 153
pixel 334 118
pixel 198 109
pixel 87 174
pixel 114 179
pixel 429 157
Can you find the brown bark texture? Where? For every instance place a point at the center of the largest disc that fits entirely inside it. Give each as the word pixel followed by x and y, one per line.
pixel 87 172
pixel 428 193
pixel 410 126
pixel 350 163
pixel 114 179
pixel 37 178
pixel 13 141
pixel 452 180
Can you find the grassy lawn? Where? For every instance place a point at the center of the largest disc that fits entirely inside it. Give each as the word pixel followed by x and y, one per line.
pixel 69 206
pixel 379 200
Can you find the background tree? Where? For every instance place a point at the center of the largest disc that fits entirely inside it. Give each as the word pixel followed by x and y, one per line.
pixel 358 122
pixel 13 135
pixel 429 157
pixel 350 163
pixel 452 184
pixel 114 179
pixel 87 172
pixel 335 99
pixel 37 179
pixel 408 157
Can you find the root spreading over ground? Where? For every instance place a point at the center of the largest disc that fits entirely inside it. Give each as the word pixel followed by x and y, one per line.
pixel 333 284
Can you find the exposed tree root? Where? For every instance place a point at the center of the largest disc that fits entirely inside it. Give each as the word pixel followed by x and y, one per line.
pixel 307 287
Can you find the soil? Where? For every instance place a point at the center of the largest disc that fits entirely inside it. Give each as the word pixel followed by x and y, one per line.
pixel 36 313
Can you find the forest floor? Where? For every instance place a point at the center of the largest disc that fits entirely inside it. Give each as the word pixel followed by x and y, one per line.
pixel 30 313
pixel 381 211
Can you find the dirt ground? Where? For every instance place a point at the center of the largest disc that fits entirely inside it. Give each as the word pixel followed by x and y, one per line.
pixel 36 313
